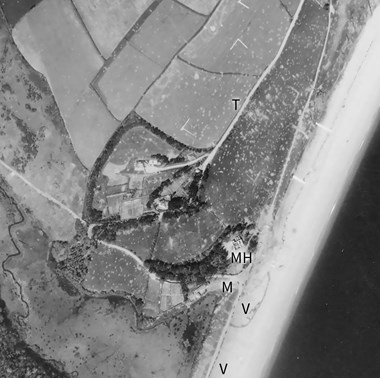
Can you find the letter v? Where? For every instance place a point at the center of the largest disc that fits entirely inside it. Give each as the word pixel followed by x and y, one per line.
pixel 223 369
pixel 245 309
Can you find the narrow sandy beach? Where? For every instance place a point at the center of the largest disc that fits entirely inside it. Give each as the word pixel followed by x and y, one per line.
pixel 292 246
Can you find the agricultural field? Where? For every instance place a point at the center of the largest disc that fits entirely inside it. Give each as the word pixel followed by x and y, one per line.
pixel 200 6
pixel 33 140
pixel 138 240
pixel 191 105
pixel 239 38
pixel 152 299
pixel 112 271
pixel 120 180
pixel 247 167
pixel 125 80
pixel 142 57
pixel 163 34
pixel 185 238
pixel 108 21
pixel 90 125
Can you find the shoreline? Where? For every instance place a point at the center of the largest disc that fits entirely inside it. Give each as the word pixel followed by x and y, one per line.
pixel 293 244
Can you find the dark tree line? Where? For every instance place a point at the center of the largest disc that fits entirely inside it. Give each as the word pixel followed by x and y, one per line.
pixel 107 231
pixel 194 272
pixel 166 161
pixel 170 140
pixel 186 208
pixel 182 171
pixel 212 261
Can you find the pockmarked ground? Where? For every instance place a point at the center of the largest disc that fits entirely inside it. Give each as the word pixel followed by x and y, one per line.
pixel 291 250
pixel 112 271
pixel 260 140
pixel 138 240
pixel 108 21
pixel 185 238
pixel 191 105
pixel 240 37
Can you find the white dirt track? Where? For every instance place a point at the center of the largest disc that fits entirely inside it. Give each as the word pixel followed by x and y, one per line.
pixel 291 246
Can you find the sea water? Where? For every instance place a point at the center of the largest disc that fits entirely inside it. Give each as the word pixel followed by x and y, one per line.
pixel 335 332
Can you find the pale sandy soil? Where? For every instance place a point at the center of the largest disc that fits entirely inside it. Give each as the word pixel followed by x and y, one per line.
pixel 291 245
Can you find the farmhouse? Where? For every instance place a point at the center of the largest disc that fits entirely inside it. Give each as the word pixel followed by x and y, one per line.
pixel 161 204
pixel 147 165
pixel 237 243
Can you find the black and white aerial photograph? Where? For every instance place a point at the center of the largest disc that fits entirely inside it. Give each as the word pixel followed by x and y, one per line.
pixel 190 188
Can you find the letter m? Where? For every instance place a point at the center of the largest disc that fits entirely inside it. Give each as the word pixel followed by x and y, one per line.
pixel 227 288
pixel 237 259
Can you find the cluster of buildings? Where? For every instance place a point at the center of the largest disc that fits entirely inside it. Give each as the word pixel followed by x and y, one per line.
pixel 129 200
pixel 147 165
